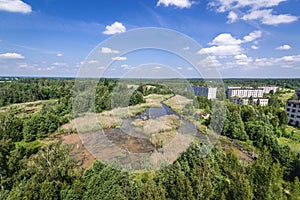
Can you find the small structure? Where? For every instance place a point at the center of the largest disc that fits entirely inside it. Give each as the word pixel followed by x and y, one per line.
pixel 208 92
pixel 292 108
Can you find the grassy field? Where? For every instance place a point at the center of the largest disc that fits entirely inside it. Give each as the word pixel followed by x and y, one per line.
pixel 28 107
pixel 293 141
pixel 115 117
pixel 286 94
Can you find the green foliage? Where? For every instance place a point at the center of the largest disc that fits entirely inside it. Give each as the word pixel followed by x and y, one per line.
pixel 234 126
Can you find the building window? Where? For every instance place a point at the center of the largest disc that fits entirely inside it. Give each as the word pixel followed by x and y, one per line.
pixel 288 109
pixel 289 104
pixel 292 116
pixel 293 110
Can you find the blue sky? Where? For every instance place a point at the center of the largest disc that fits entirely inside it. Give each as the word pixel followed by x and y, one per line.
pixel 241 38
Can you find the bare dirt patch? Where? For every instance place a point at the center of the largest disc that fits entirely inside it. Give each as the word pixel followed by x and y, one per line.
pixel 80 153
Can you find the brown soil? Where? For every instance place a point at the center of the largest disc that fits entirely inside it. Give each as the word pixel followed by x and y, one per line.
pixel 79 151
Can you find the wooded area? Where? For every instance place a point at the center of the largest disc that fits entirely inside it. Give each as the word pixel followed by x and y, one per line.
pixel 31 168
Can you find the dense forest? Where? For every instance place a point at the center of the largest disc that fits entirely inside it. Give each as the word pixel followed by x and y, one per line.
pixel 31 168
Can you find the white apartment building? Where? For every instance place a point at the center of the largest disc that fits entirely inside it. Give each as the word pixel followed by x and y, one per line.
pixel 292 108
pixel 268 89
pixel 244 92
pixel 245 101
pixel 208 92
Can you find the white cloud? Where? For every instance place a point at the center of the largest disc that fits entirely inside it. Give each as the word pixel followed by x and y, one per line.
pixel 243 59
pixel 227 45
pixel 209 61
pixel 93 62
pixel 176 3
pixel 119 58
pixel 223 45
pixel 254 47
pixel 222 50
pixel 292 58
pixel 255 9
pixel 11 56
pixel 108 50
pixel 227 5
pixel 23 65
pixel 283 47
pixel 59 64
pixel 186 48
pixel 116 27
pixel 232 17
pixel 292 61
pixel 59 54
pixel 266 17
pixel 17 6
pixel 225 39
pixel 252 36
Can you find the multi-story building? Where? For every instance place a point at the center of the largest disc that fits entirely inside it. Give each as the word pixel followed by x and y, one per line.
pixel 268 89
pixel 208 92
pixel 245 101
pixel 292 108
pixel 244 92
pixel 297 93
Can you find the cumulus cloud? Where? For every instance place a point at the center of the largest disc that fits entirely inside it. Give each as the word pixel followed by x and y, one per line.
pixel 119 58
pixel 107 50
pixel 223 45
pixel 59 54
pixel 254 47
pixel 176 3
pixel 16 6
pixel 242 59
pixel 209 61
pixel 11 56
pixel 116 27
pixel 222 50
pixel 252 36
pixel 227 45
pixel 266 17
pixel 232 17
pixel 283 47
pixel 256 10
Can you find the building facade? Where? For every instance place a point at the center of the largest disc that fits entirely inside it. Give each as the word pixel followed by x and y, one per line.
pixel 245 92
pixel 268 89
pixel 292 108
pixel 245 101
pixel 297 93
pixel 208 92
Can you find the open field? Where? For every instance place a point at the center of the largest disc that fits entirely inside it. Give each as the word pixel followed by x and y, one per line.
pixel 115 117
pixel 178 102
pixel 294 138
pixel 286 94
pixel 28 107
pixel 160 131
